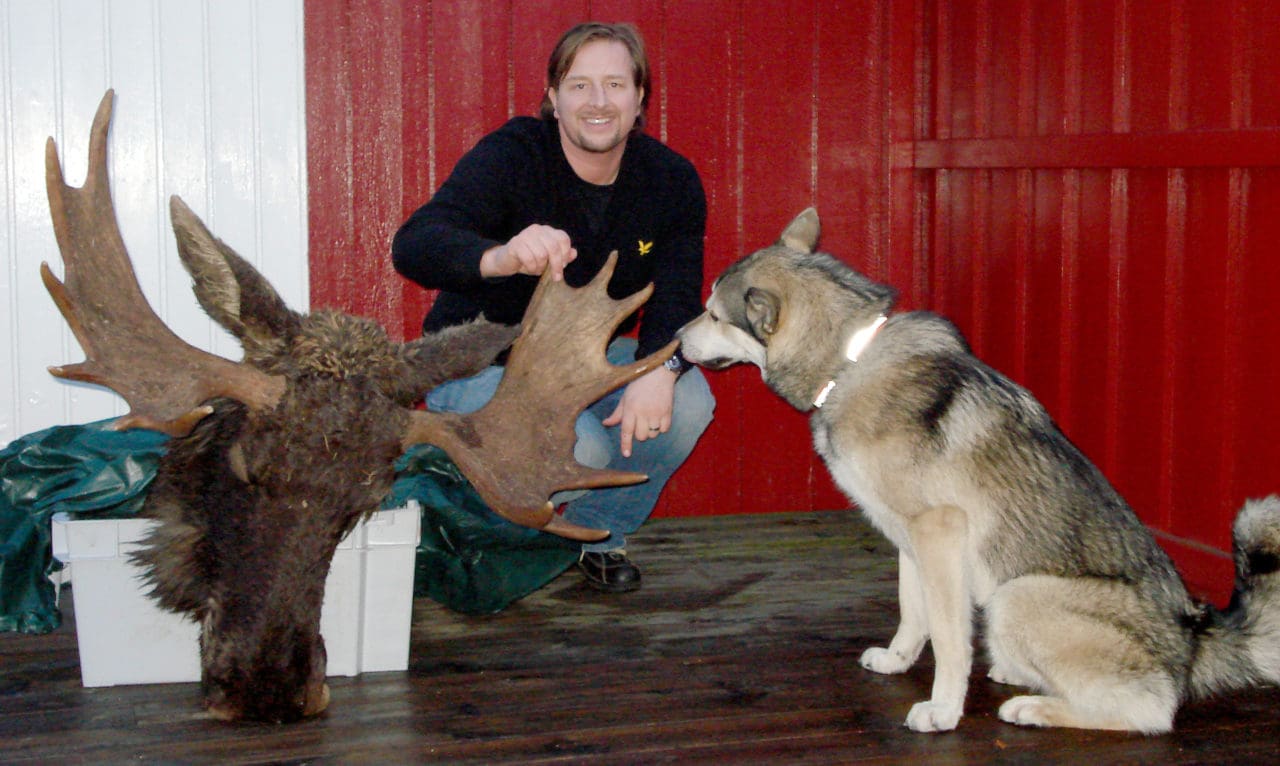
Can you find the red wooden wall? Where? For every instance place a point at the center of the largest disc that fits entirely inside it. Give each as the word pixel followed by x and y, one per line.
pixel 1096 202
pixel 1088 188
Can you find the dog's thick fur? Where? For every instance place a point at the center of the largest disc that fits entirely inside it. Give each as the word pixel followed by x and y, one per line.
pixel 990 506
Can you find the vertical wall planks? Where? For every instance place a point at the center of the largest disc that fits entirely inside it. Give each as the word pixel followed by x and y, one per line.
pixel 848 162
pixel 776 176
pixel 1131 297
pixel 330 169
pixel 208 106
pixel 698 64
pixel 1128 309
pixel 1257 315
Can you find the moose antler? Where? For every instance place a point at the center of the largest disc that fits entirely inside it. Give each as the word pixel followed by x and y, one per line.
pixel 517 450
pixel 556 368
pixel 128 349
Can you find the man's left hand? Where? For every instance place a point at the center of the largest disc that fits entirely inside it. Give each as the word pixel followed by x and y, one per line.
pixel 645 409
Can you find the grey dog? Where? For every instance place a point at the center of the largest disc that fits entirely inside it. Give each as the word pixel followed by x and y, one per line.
pixel 990 506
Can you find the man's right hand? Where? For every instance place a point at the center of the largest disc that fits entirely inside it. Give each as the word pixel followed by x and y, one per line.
pixel 532 251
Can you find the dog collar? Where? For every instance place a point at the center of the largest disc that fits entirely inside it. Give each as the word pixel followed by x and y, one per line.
pixel 858 343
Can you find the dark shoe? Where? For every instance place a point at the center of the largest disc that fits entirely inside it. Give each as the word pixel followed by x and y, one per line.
pixel 609 571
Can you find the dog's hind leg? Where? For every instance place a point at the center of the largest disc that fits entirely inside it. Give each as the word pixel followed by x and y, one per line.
pixel 1075 641
pixel 913 625
pixel 1007 676
pixel 1146 715
pixel 1004 671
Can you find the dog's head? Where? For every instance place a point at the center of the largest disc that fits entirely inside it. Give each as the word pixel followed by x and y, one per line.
pixel 746 303
pixel 786 309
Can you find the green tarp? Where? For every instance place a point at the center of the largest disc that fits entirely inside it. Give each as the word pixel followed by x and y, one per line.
pixel 468 558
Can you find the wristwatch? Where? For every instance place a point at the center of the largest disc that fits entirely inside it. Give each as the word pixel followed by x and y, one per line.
pixel 676 363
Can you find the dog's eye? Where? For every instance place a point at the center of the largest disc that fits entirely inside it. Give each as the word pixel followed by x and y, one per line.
pixel 713 316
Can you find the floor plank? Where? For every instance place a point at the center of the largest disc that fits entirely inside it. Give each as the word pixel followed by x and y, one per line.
pixel 741 647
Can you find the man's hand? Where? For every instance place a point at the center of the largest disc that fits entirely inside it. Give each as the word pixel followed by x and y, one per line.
pixel 532 251
pixel 645 409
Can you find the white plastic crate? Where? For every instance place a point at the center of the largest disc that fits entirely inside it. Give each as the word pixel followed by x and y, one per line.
pixel 126 638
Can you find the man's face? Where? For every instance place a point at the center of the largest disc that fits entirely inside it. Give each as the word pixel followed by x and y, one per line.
pixel 597 102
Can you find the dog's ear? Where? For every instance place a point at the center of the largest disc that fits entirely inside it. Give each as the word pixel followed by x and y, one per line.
pixel 762 312
pixel 802 233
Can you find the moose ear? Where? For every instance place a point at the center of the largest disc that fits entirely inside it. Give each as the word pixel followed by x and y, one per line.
pixel 455 352
pixel 802 233
pixel 763 307
pixel 227 286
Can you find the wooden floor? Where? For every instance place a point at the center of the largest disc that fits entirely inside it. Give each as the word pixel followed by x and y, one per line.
pixel 741 647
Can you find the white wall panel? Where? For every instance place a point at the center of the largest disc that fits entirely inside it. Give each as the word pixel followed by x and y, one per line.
pixel 209 106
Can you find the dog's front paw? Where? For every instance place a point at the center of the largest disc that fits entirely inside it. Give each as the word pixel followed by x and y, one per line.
pixel 933 716
pixel 881 660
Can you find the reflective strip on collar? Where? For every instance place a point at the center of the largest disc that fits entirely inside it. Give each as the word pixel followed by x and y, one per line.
pixel 858 343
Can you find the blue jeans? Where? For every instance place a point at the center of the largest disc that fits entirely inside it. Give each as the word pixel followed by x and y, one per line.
pixel 621 510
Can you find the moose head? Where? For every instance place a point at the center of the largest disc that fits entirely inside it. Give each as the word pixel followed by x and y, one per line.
pixel 276 457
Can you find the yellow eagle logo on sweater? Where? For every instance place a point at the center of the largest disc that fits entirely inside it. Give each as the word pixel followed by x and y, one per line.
pixel 645 247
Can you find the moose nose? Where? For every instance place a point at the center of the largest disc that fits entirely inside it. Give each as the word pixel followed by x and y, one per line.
pixel 315 700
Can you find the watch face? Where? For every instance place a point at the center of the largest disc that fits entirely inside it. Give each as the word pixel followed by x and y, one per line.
pixel 675 364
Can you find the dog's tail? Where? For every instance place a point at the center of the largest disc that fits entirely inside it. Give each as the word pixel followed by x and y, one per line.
pixel 1240 647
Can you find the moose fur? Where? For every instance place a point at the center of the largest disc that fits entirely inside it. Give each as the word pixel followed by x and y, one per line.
pixel 252 504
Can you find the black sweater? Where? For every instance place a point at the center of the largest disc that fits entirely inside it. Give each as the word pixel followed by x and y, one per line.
pixel 518 176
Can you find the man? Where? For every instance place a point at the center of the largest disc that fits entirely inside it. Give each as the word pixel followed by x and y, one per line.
pixel 560 192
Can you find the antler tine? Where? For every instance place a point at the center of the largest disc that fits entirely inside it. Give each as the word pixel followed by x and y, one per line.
pixel 556 368
pixel 127 348
pixel 567 328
